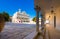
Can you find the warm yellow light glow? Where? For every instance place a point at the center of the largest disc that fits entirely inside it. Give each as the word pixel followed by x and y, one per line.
pixel 47 22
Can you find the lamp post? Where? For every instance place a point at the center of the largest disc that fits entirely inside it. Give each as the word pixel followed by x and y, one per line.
pixel 37 8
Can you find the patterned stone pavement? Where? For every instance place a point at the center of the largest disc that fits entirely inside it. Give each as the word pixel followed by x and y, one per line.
pixel 53 33
pixel 15 32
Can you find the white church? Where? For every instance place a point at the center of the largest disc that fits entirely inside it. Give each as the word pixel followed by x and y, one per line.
pixel 20 17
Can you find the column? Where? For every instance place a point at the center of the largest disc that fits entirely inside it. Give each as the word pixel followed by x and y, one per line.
pixel 42 21
pixel 43 27
pixel 37 21
pixel 37 8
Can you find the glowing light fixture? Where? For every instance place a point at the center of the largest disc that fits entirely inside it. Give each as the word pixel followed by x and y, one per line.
pixel 47 22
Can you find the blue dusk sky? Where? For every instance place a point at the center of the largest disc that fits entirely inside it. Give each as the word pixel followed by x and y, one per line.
pixel 11 6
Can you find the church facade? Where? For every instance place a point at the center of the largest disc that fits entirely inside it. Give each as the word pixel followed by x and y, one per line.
pixel 20 17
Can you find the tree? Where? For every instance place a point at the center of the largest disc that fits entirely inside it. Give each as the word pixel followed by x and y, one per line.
pixel 2 22
pixel 5 15
pixel 34 19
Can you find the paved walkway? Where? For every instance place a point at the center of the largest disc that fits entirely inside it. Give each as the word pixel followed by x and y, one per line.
pixel 53 33
pixel 41 36
pixel 16 32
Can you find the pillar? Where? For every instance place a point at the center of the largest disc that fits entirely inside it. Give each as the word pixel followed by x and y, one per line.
pixel 43 27
pixel 37 21
pixel 37 8
pixel 42 21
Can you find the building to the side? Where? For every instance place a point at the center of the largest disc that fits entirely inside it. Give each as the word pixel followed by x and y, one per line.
pixel 20 17
pixel 47 7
